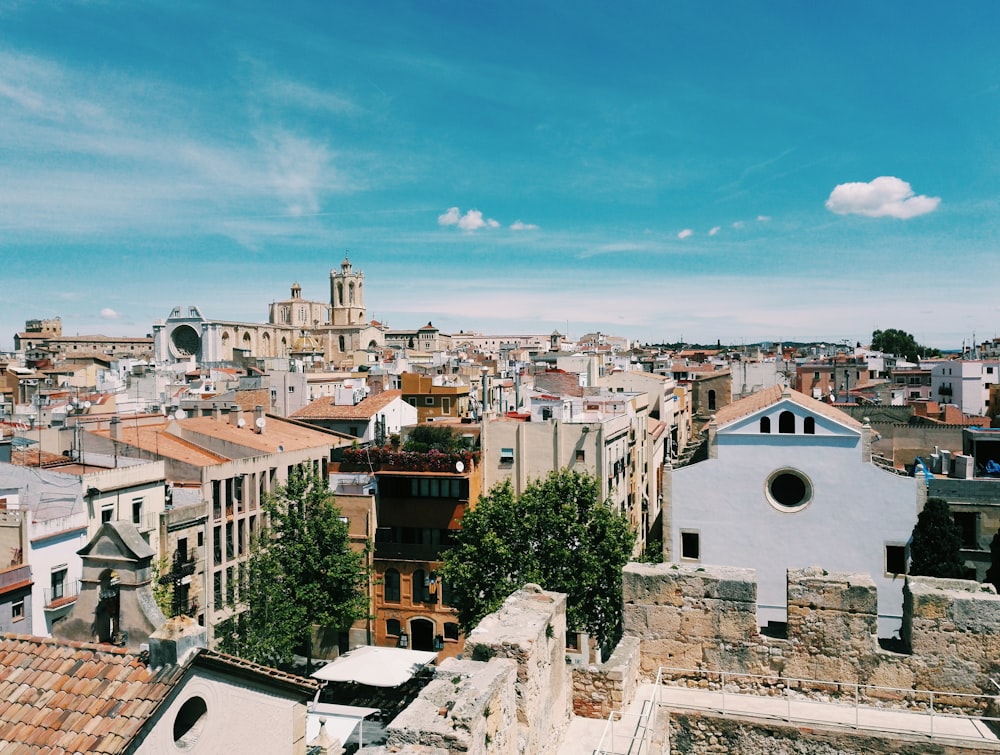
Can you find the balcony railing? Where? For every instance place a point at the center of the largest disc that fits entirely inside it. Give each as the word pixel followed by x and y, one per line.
pixel 409 461
pixel 59 598
pixel 408 552
pixel 14 576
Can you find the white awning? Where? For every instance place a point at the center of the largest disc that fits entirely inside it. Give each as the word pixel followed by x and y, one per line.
pixel 340 721
pixel 376 666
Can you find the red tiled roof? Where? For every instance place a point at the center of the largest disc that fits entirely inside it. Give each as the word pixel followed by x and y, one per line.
pixel 765 398
pixel 69 697
pixel 324 408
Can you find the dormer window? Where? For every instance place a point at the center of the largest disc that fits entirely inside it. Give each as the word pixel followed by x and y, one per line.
pixel 765 424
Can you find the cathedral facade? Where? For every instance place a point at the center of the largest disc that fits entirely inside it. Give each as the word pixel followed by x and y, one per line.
pixel 334 335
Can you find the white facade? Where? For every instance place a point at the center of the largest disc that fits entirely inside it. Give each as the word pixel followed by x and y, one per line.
pixel 778 500
pixel 964 382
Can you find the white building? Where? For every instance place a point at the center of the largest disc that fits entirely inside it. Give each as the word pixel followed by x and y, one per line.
pixel 789 483
pixel 964 383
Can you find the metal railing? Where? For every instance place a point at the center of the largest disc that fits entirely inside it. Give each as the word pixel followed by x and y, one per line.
pixel 864 704
pixel 633 733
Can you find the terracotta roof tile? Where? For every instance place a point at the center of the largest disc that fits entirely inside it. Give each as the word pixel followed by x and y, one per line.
pixel 324 408
pixel 58 697
pixel 769 396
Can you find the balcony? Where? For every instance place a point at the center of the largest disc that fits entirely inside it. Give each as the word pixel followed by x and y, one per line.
pixel 59 598
pixel 15 577
pixel 408 552
pixel 387 459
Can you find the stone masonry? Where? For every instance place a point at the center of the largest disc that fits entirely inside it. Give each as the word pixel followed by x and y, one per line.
pixel 704 618
pixel 511 694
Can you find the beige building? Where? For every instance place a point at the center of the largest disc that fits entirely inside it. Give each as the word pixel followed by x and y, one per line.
pixel 220 467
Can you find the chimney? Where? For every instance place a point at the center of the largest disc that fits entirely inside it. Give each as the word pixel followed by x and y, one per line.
pixel 216 412
pixel 175 641
pixel 235 415
pixel 115 428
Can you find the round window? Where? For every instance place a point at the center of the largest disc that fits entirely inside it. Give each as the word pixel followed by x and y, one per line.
pixel 189 722
pixel 789 490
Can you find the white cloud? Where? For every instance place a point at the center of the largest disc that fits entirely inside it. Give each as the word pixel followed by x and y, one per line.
pixel 885 196
pixel 472 220
pixel 763 218
pixel 517 225
pixel 450 217
pixel 714 230
pixel 685 233
pixel 109 314
pixel 738 224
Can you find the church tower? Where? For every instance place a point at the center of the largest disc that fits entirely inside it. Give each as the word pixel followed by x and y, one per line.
pixel 347 295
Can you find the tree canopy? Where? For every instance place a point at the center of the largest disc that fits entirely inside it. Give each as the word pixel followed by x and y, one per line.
pixel 558 534
pixel 936 542
pixel 300 574
pixel 901 344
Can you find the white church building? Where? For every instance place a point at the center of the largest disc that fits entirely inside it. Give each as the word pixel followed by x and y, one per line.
pixel 789 483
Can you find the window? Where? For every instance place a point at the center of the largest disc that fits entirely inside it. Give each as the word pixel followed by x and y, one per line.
pixel 190 722
pixel 786 422
pixel 895 559
pixel 428 401
pixel 217 545
pixel 421 587
pixel 809 425
pixel 392 627
pixel 17 611
pixel 446 405
pixel 789 490
pixel 217 588
pixel 412 401
pixel 58 582
pixel 391 586
pixel 711 400
pixel 581 455
pixel 765 424
pixel 451 631
pixel 690 545
pixel 506 455
pixel 137 511
pixel 572 640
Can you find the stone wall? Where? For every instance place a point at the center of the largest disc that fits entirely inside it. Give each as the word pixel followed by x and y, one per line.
pixel 704 618
pixel 600 689
pixel 705 734
pixel 511 694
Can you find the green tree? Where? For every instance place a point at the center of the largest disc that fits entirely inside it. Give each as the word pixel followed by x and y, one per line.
pixel 936 542
pixel 301 573
pixel 559 534
pixel 900 343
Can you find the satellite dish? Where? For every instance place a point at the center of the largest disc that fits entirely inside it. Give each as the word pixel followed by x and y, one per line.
pixel 260 422
pixel 179 414
pixel 86 404
pixel 459 466
pixel 280 448
pixel 241 422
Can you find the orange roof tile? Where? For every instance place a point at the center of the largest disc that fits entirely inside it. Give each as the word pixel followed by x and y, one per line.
pixel 769 396
pixel 60 712
pixel 324 408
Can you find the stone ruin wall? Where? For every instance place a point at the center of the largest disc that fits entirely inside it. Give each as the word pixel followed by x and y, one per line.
pixel 599 689
pixel 510 695
pixel 705 617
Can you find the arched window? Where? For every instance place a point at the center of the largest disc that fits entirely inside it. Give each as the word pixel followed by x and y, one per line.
pixel 420 593
pixel 809 426
pixel 340 294
pixel 341 344
pixel 765 424
pixel 711 400
pixel 786 422
pixel 350 293
pixel 391 579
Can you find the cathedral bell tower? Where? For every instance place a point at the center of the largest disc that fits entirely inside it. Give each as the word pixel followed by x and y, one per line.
pixel 347 295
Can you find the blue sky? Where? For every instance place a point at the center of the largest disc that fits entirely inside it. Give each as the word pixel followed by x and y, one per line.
pixel 731 171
